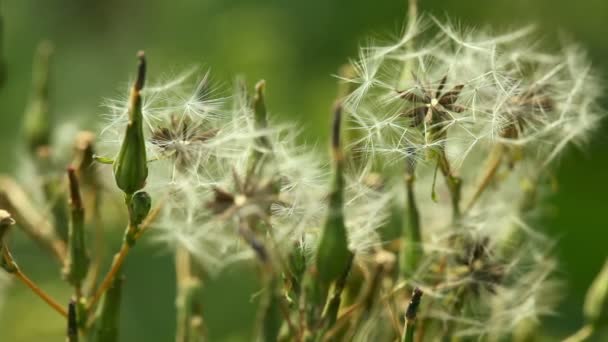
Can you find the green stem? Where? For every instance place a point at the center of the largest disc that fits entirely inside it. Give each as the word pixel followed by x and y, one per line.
pixel 411 248
pixel 107 318
pixel 454 183
pixel 581 335
pixel 408 332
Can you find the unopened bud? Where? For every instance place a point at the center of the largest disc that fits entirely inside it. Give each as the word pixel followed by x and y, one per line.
pixel 259 105
pixel 130 166
pixel 333 255
pixel 140 207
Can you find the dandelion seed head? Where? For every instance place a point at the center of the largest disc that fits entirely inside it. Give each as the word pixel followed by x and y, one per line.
pixel 512 91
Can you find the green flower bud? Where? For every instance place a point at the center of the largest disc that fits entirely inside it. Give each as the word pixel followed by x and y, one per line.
pixel 260 117
pixel 596 301
pixel 77 262
pixel 333 255
pixel 140 207
pixel 37 120
pixel 130 166
pixel 259 105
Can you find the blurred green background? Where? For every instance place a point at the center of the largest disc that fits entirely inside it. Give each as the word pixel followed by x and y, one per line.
pixel 295 46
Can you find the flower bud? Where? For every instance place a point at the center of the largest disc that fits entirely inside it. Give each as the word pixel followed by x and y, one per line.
pixel 140 207
pixel 333 255
pixel 259 105
pixel 130 166
pixel 260 117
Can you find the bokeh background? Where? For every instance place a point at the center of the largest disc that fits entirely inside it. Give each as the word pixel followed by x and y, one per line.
pixel 296 46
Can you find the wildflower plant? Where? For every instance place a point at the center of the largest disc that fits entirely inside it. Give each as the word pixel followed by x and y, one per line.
pixel 418 226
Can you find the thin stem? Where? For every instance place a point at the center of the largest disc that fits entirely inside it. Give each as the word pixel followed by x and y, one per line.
pixel 184 281
pixel 457 306
pixel 40 293
pixel 145 225
pixel 349 311
pixel 493 163
pixel 412 17
pixel 39 229
pixel 412 11
pixel 422 326
pixel 582 335
pixel 8 263
pixel 99 242
pixel 393 315
pixel 411 249
pixel 119 259
pixel 410 316
pixel 408 332
pixel 453 183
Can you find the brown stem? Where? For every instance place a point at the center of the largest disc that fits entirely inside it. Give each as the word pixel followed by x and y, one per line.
pixel 119 259
pixel 40 293
pixel 493 163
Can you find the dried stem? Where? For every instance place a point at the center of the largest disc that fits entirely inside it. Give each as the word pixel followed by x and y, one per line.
pixel 40 293
pixel 492 165
pixel 14 198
